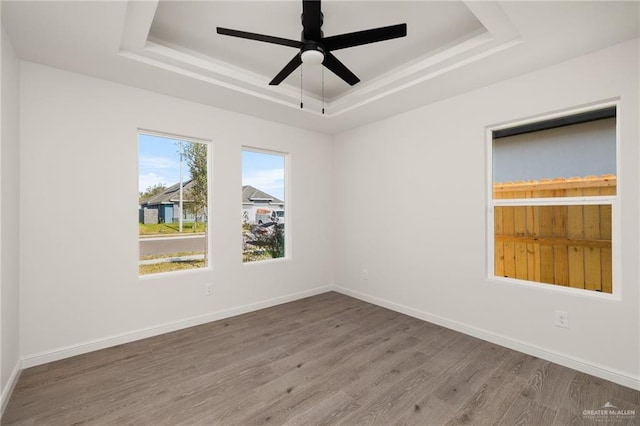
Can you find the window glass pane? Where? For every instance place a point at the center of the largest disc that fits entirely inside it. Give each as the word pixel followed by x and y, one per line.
pixel 173 205
pixel 263 206
pixel 568 245
pixel 569 161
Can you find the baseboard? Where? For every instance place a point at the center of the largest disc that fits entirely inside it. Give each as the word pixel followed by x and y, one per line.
pixel 94 345
pixel 8 389
pixel 575 363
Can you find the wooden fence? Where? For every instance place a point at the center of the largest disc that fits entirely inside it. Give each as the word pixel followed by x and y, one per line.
pixel 566 245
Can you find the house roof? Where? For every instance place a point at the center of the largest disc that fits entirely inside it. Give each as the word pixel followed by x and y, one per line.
pixel 171 194
pixel 251 194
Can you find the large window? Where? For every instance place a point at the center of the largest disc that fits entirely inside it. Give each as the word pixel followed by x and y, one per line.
pixel 173 203
pixel 264 216
pixel 553 195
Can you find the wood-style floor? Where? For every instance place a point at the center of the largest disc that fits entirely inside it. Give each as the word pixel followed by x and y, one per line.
pixel 327 359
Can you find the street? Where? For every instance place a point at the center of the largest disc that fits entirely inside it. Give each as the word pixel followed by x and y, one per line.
pixel 170 245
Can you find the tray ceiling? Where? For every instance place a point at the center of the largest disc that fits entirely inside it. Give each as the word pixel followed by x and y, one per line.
pixel 433 27
pixel 451 47
pixel 182 36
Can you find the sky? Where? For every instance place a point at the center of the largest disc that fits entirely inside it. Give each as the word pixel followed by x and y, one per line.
pixel 264 171
pixel 159 162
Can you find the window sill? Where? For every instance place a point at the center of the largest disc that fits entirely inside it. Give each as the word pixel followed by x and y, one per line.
pixel 554 288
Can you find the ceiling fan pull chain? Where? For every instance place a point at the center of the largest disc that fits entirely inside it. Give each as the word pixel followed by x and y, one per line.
pixel 301 105
pixel 322 90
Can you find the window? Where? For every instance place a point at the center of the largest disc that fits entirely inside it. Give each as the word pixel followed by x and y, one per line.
pixel 263 205
pixel 173 203
pixel 553 195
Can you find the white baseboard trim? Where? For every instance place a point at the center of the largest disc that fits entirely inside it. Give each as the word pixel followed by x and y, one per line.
pixel 8 389
pixel 575 363
pixel 97 344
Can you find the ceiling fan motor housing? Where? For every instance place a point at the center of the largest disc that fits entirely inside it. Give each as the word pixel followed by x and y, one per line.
pixel 305 26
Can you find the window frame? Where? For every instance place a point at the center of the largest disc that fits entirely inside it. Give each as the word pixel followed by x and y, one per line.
pixel 287 201
pixel 613 200
pixel 209 234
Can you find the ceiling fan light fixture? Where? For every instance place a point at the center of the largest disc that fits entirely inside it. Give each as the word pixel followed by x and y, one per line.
pixel 312 57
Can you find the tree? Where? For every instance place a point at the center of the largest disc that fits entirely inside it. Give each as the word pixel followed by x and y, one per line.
pixel 151 191
pixel 272 241
pixel 275 241
pixel 195 155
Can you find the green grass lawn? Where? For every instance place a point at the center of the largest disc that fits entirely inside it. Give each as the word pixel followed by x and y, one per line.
pixel 170 266
pixel 177 265
pixel 165 256
pixel 252 257
pixel 169 228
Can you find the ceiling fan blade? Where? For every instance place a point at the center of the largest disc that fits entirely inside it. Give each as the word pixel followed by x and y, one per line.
pixel 311 20
pixel 338 68
pixel 259 37
pixel 287 70
pixel 359 38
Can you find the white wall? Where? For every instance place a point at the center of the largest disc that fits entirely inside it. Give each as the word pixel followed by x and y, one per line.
pixel 425 248
pixel 79 171
pixel 9 219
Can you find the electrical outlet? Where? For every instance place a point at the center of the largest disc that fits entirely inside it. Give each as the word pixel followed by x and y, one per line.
pixel 562 319
pixel 365 274
pixel 208 289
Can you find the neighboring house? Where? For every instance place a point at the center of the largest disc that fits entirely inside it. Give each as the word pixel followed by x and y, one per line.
pixel 257 203
pixel 165 206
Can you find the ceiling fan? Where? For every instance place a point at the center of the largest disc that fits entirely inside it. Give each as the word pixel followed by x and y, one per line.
pixel 316 48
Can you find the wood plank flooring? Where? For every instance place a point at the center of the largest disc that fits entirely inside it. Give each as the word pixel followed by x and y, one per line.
pixel 328 359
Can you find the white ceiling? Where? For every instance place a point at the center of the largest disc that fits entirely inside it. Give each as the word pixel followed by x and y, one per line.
pixel 451 47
